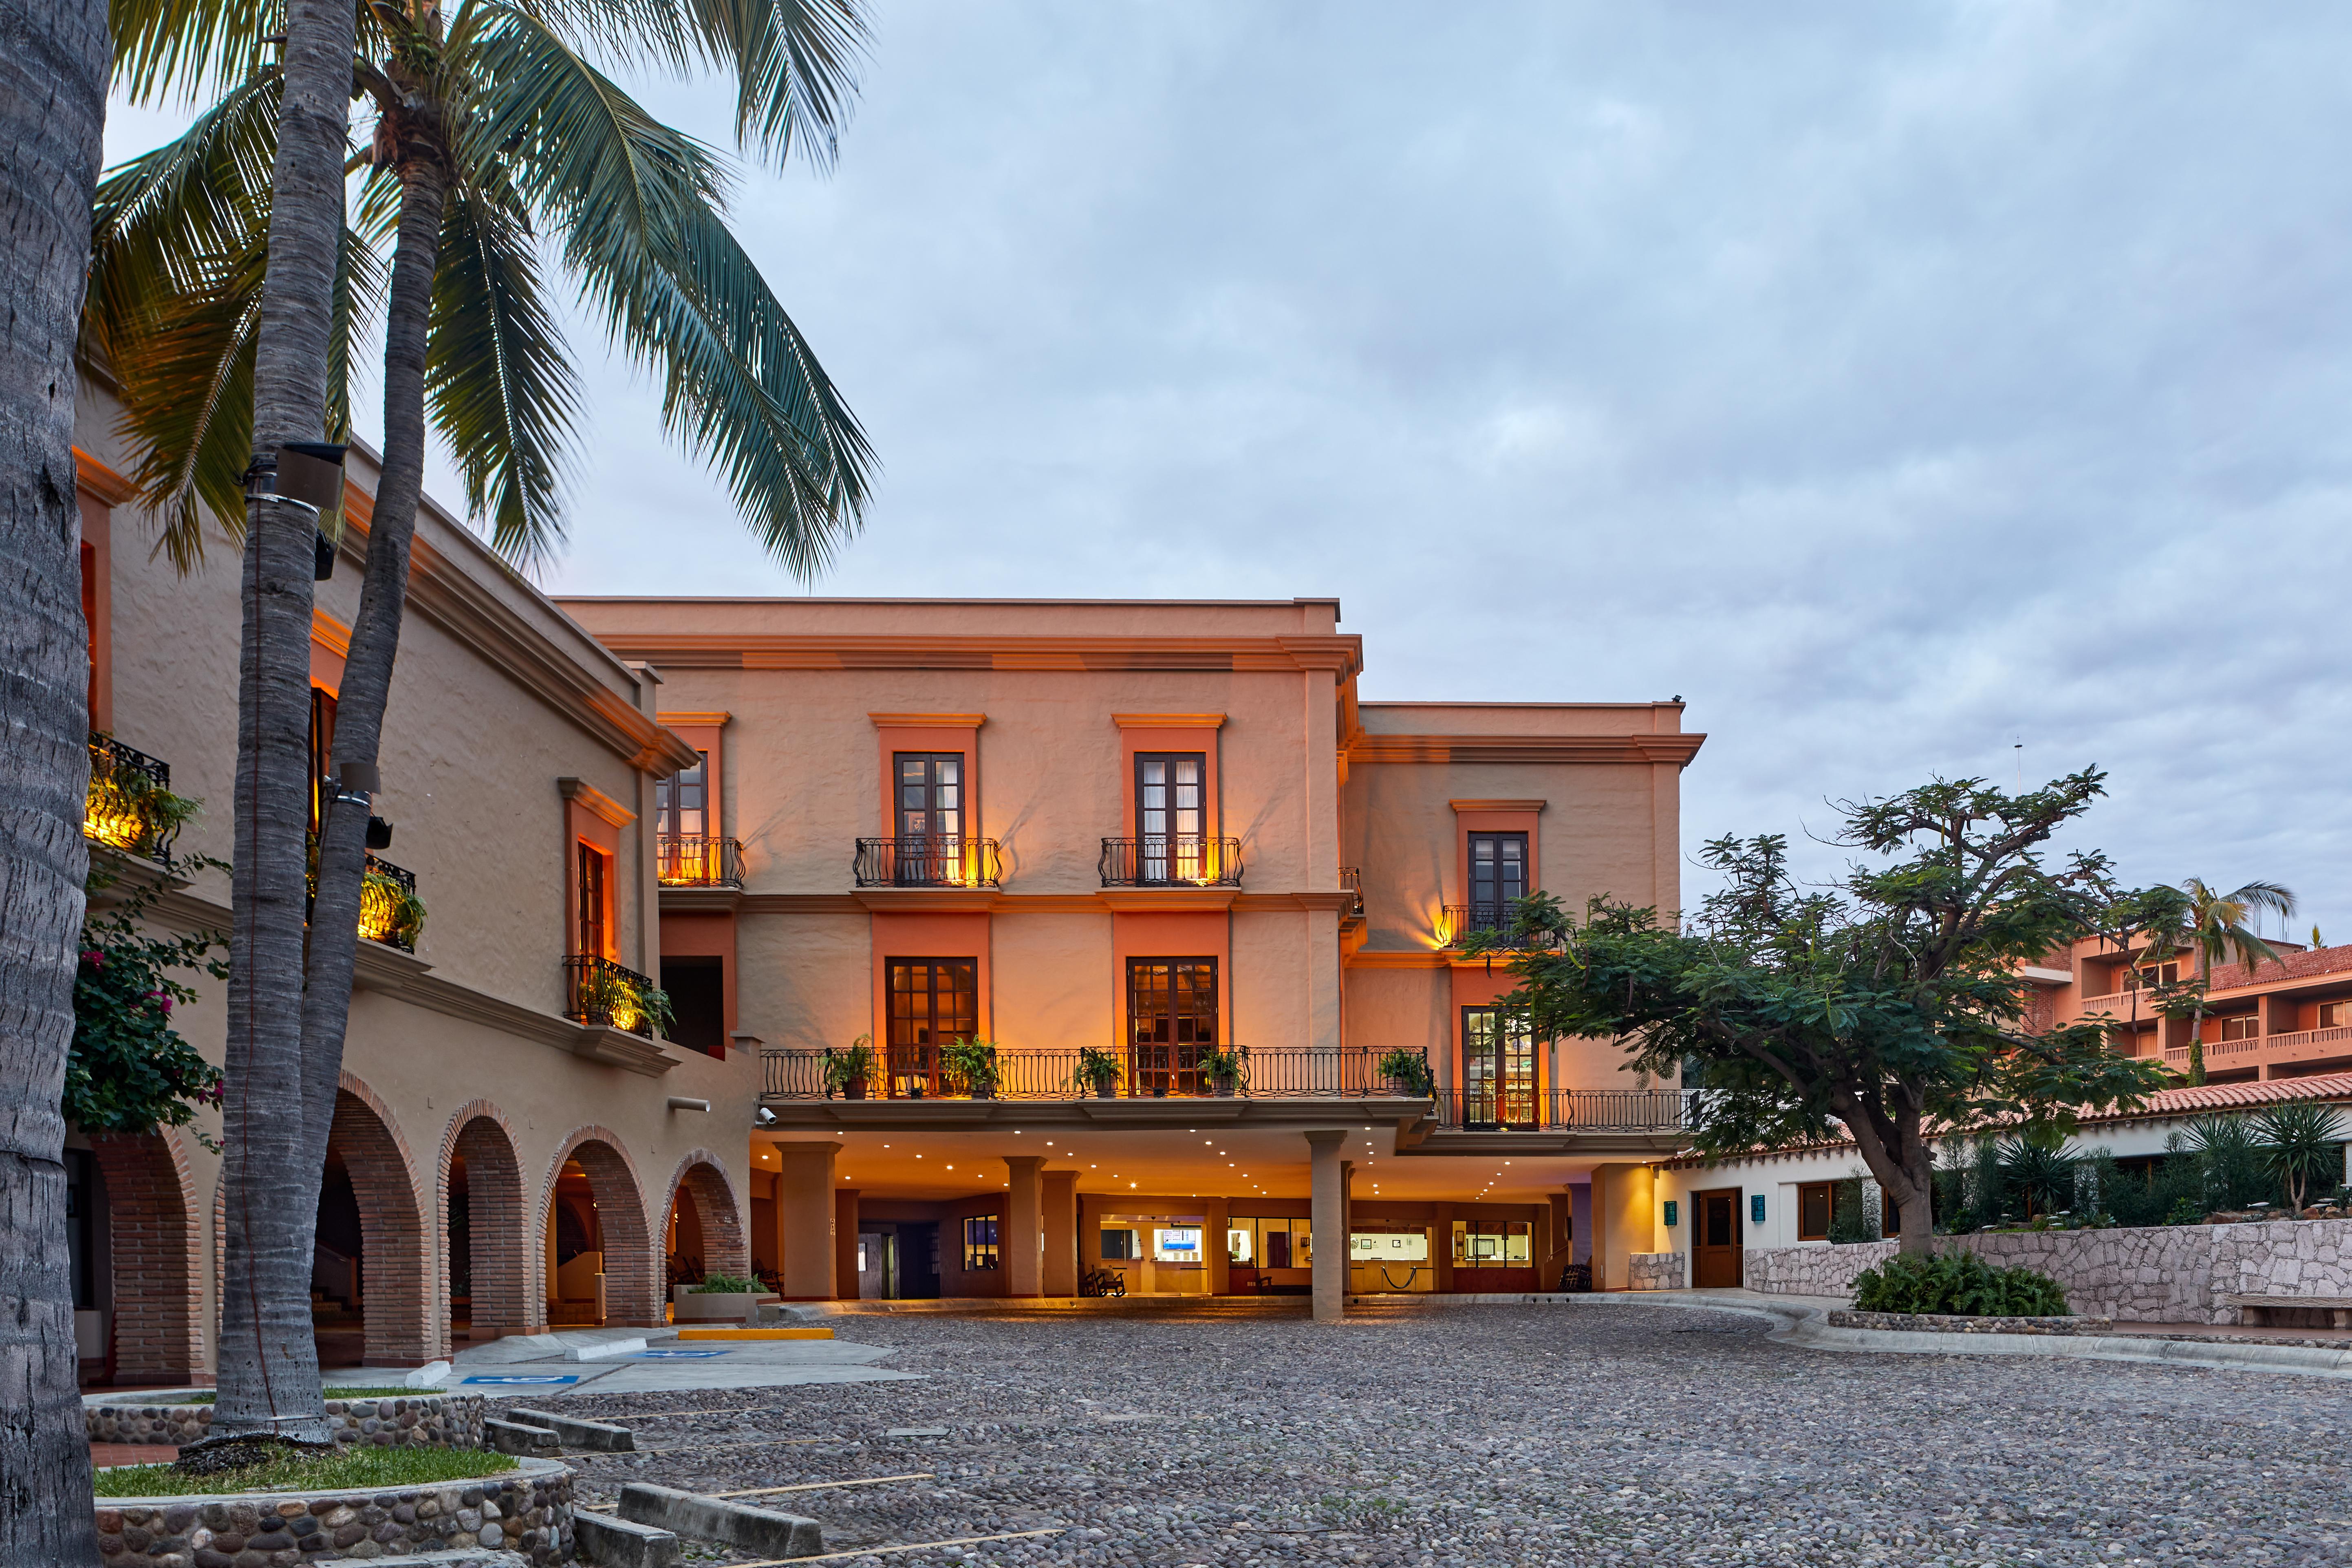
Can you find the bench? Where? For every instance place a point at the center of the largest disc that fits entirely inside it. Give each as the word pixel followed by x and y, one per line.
pixel 2254 1311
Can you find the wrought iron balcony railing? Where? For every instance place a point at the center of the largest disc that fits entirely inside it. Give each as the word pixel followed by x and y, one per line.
pixel 931 861
pixel 1121 1072
pixel 1172 860
pixel 390 911
pixel 682 861
pixel 599 991
pixel 1457 922
pixel 1351 879
pixel 132 807
pixel 1511 1108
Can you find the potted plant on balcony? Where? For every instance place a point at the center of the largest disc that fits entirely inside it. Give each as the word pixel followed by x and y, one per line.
pixel 973 1062
pixel 1408 1075
pixel 847 1072
pixel 1097 1071
pixel 1225 1072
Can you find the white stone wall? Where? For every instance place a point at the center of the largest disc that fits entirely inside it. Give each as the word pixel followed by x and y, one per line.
pixel 2156 1274
pixel 1653 1271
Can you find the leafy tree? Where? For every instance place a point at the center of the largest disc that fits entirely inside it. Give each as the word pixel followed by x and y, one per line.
pixel 1889 1007
pixel 129 1070
pixel 493 134
pixel 2215 928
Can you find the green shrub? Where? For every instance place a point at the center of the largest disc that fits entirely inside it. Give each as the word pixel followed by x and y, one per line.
pixel 724 1285
pixel 1957 1284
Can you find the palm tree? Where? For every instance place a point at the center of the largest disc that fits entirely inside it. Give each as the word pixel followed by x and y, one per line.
pixel 2215 929
pixel 492 129
pixel 52 109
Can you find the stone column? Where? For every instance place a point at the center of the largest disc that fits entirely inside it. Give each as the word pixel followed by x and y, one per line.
pixel 1625 1221
pixel 1212 1245
pixel 804 1220
pixel 1060 1275
pixel 845 1244
pixel 1021 1247
pixel 1327 1223
pixel 1441 1247
pixel 1558 1249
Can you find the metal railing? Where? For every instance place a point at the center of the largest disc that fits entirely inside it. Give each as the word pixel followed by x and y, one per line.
pixel 384 917
pixel 684 861
pixel 1351 879
pixel 1171 860
pixel 1139 1072
pixel 934 860
pixel 1504 1109
pixel 1457 922
pixel 123 781
pixel 599 991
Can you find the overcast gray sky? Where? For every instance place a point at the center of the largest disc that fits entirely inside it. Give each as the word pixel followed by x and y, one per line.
pixel 1897 382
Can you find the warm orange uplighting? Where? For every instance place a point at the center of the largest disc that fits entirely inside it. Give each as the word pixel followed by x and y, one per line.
pixel 379 911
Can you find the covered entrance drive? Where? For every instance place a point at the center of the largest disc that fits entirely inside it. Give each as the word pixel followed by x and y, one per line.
pixel 1716 1245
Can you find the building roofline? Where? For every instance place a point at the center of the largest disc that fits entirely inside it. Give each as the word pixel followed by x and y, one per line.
pixel 928 599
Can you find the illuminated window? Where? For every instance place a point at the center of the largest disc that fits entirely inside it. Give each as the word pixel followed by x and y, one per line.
pixel 1498 878
pixel 1269 1243
pixel 591 933
pixel 934 1001
pixel 980 1242
pixel 1498 1070
pixel 1493 1244
pixel 1170 816
pixel 1171 1010
pixel 681 802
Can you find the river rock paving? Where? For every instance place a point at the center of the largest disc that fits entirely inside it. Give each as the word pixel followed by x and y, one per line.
pixel 1474 1436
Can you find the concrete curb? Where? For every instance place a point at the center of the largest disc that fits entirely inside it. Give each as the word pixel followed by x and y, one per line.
pixel 623 1543
pixel 575 1433
pixel 730 1523
pixel 528 1442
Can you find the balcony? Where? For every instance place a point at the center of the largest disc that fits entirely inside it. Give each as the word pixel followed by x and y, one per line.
pixel 1351 881
pixel 1131 1072
pixel 1508 1109
pixel 1457 922
pixel 1171 861
pixel 599 991
pixel 933 861
pixel 390 911
pixel 131 808
pixel 698 862
pixel 2299 1047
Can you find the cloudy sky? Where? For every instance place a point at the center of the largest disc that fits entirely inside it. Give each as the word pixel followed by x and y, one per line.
pixel 1902 384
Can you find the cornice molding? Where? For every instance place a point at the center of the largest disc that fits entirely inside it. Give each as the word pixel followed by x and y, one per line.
pixel 1344 655
pixel 103 483
pixel 927 720
pixel 1677 749
pixel 714 720
pixel 1169 720
pixel 1460 805
pixel 592 799
pixel 1398 958
pixel 330 634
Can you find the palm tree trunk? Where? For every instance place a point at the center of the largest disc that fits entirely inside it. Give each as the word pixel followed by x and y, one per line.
pixel 376 640
pixel 52 107
pixel 2197 1028
pixel 268 1361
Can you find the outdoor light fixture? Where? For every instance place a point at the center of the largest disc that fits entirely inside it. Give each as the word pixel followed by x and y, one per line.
pixel 307 474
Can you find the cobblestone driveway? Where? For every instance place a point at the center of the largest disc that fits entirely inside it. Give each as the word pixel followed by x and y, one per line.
pixel 1479 1435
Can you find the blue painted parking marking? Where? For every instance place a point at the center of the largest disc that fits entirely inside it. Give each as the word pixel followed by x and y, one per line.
pixel 676 1355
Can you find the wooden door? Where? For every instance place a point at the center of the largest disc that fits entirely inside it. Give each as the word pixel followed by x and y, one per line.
pixel 1716 1244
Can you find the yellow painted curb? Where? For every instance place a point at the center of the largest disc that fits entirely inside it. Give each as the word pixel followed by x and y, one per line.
pixel 755 1333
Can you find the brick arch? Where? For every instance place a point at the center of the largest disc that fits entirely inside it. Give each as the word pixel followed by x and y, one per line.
pixel 701 1180
pixel 506 1289
pixel 633 1268
pixel 150 1204
pixel 398 1284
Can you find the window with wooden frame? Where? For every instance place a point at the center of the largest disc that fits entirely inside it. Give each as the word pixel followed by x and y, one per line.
pixel 592 931
pixel 2333 1015
pixel 2148 976
pixel 1815 1202
pixel 1171 818
pixel 980 1241
pixel 1499 1070
pixel 323 749
pixel 2242 1026
pixel 682 801
pixel 1498 878
pixel 1172 1017
pixel 934 1001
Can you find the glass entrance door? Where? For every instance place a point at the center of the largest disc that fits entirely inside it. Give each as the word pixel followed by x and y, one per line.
pixel 932 1002
pixel 930 816
pixel 1172 1012
pixel 1170 816
pixel 1498 1071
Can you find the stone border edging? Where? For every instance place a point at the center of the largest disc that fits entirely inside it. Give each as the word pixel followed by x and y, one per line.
pixel 425 1420
pixel 1962 1324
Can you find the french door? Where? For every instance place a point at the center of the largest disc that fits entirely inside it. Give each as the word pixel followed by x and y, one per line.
pixel 932 1002
pixel 1171 1013
pixel 1171 819
pixel 1498 878
pixel 930 816
pixel 1498 1071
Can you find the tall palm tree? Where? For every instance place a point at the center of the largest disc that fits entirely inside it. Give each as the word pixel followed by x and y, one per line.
pixel 52 109
pixel 2216 928
pixel 493 128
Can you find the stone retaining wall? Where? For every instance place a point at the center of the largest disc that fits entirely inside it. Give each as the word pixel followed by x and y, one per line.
pixel 1653 1271
pixel 527 1512
pixel 2153 1274
pixel 416 1420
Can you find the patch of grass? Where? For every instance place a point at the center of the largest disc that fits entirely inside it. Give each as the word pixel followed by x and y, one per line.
pixel 205 1396
pixel 356 1469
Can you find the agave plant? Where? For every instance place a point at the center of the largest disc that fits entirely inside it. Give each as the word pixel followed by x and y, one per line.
pixel 2302 1145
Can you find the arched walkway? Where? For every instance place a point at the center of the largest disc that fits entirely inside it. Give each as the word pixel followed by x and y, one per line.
pixel 158 1274
pixel 705 1231
pixel 632 1269
pixel 487 1256
pixel 396 1291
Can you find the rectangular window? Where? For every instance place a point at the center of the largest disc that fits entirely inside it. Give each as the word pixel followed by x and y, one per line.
pixel 2244 1027
pixel 1117 1244
pixel 1498 877
pixel 1814 1205
pixel 1498 1070
pixel 980 1242
pixel 930 794
pixel 1172 1012
pixel 2150 976
pixel 590 932
pixel 2335 1015
pixel 681 802
pixel 1494 1243
pixel 1176 1244
pixel 322 750
pixel 1171 816
pixel 932 1002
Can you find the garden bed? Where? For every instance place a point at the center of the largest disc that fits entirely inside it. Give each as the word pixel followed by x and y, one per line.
pixel 409 1418
pixel 1939 1323
pixel 369 1503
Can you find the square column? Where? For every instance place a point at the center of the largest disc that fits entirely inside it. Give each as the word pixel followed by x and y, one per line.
pixel 1022 1246
pixel 1328 1222
pixel 804 1220
pixel 845 1244
pixel 1213 1225
pixel 1625 1221
pixel 1059 1276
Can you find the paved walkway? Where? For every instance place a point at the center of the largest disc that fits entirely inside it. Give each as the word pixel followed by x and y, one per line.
pixel 536 1366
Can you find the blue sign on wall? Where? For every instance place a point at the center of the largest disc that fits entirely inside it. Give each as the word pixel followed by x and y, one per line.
pixel 1673 1214
pixel 1756 1208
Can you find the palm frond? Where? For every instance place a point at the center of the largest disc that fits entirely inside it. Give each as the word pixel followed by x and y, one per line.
pixel 2265 896
pixel 190 47
pixel 498 382
pixel 637 205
